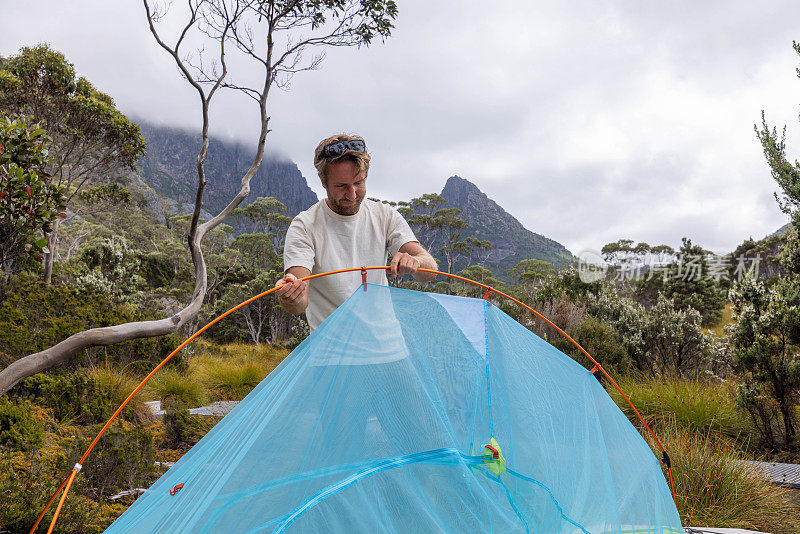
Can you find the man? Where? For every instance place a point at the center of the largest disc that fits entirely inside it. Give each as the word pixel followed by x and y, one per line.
pixel 344 230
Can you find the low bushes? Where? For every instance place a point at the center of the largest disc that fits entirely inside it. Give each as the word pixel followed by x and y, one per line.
pixel 123 459
pixel 74 398
pixel 19 430
pixel 27 482
pixel 181 429
pixel 35 315
pixel 32 469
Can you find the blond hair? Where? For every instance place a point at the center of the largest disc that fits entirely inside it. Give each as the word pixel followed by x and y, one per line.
pixel 361 159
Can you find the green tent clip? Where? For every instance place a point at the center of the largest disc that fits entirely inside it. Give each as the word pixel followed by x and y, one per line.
pixel 493 457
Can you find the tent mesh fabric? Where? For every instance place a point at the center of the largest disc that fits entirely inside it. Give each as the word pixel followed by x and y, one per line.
pixel 379 421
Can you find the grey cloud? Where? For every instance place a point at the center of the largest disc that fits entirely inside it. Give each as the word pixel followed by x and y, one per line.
pixel 587 121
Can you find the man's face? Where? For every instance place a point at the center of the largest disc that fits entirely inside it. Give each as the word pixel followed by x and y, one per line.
pixel 346 187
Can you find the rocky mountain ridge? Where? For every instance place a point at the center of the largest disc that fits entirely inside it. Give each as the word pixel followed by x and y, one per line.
pixel 487 220
pixel 169 167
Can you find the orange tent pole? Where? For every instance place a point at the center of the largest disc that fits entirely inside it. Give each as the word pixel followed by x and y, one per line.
pixel 71 476
pixel 46 506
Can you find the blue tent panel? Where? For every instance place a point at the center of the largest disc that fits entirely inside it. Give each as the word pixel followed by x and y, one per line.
pixel 379 421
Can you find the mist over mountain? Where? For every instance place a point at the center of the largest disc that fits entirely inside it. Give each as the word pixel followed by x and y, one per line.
pixel 512 242
pixel 169 166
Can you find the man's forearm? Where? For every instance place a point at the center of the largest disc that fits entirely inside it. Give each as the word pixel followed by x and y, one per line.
pixel 426 261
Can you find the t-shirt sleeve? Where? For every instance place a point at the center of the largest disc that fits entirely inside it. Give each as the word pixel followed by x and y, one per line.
pixel 298 249
pixel 399 232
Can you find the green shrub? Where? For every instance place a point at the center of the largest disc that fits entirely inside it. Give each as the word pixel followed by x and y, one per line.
pixel 663 340
pixel 110 266
pixel 29 478
pixel 73 397
pixel 603 342
pixel 31 202
pixel 181 429
pixel 764 341
pixel 26 483
pixel 123 459
pixel 85 396
pixel 19 430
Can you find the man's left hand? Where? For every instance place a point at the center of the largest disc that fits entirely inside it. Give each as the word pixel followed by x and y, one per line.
pixel 403 263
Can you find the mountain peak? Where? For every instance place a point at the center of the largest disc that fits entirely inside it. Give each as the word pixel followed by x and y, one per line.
pixel 512 242
pixel 460 187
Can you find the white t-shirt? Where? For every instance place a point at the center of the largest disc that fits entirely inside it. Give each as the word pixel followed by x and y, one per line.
pixel 321 240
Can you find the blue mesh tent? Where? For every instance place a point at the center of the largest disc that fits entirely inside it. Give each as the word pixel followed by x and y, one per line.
pixel 416 412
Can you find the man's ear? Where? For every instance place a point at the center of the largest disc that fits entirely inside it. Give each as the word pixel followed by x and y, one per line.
pixel 323 180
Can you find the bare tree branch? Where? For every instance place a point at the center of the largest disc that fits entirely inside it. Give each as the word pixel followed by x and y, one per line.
pixel 224 21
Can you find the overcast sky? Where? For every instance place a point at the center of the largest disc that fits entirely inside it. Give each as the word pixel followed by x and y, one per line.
pixel 588 121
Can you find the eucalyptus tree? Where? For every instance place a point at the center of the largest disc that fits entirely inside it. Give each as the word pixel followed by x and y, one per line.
pixel 89 138
pixel 449 225
pixel 265 215
pixel 473 247
pixel 530 273
pixel 420 216
pixel 280 38
pixel 691 283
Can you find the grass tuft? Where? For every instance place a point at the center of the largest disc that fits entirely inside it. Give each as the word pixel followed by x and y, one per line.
pixel 169 384
pixel 117 383
pixel 231 373
pixel 233 380
pixel 704 406
pixel 716 488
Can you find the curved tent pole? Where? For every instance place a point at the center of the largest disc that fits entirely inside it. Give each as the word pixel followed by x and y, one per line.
pixel 489 290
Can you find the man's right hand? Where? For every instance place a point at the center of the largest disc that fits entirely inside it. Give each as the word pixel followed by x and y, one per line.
pixel 293 296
